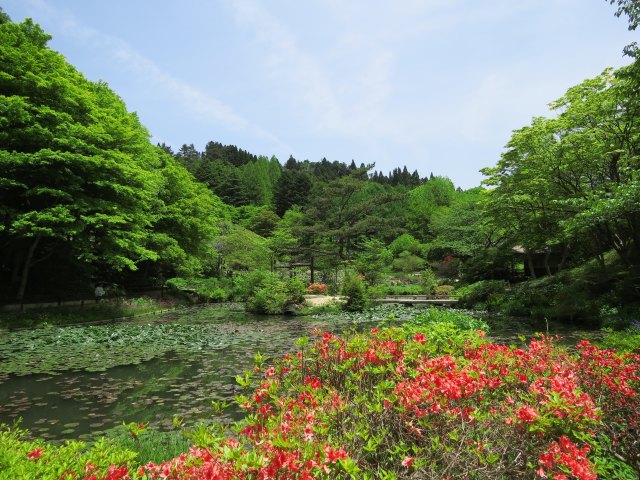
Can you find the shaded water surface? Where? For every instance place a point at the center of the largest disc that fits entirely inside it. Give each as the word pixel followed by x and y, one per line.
pixel 92 378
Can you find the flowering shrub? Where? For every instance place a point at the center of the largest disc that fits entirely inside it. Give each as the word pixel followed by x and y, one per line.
pixel 317 288
pixel 400 403
pixel 31 459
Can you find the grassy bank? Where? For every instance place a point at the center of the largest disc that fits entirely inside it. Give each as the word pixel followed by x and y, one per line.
pixel 89 313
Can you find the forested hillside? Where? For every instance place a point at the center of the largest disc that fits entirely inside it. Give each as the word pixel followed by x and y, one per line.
pixel 87 199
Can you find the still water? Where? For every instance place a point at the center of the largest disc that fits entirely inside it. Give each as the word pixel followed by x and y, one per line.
pixel 87 384
pixel 92 378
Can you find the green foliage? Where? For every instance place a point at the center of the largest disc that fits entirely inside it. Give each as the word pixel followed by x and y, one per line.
pixel 460 229
pixel 149 445
pixel 459 320
pixel 50 462
pixel 443 291
pixel 408 263
pixel 248 283
pixel 187 221
pixel 80 181
pixel 270 296
pixel 372 258
pixel 572 181
pixel 355 290
pixel 429 282
pixel 265 292
pixel 242 250
pixel 296 289
pixel 423 202
pixel 405 243
pixel 210 289
pixel 291 188
pixel 627 341
pixel 483 295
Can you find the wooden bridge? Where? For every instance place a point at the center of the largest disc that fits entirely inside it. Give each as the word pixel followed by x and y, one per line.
pixel 412 300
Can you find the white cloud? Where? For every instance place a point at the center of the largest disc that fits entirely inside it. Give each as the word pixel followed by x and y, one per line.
pixel 194 100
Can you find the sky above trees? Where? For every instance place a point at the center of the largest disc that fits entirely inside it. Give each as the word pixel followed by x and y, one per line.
pixel 437 85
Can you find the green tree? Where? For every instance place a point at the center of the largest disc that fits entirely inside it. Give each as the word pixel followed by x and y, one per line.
pixel 423 201
pixel 77 171
pixel 187 224
pixel 291 188
pixel 371 259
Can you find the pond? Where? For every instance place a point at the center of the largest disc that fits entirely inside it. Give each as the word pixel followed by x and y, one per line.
pixel 77 382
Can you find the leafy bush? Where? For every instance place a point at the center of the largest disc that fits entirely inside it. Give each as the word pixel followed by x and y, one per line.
pixel 559 296
pixel 407 263
pixel 210 289
pixel 623 341
pixel 449 267
pixel 296 290
pixel 248 283
pixel 270 296
pixel 429 281
pixel 371 260
pixel 443 291
pixel 21 458
pixel 409 289
pixel 485 294
pixel 355 290
pixel 405 243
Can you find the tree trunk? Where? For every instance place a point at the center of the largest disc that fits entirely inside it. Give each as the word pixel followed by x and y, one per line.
pixel 532 270
pixel 26 268
pixel 565 254
pixel 546 262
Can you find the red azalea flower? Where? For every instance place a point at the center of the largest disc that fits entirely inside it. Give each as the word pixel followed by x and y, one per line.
pixel 35 454
pixel 527 413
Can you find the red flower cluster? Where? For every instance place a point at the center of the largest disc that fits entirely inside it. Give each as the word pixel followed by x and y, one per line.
pixel 384 401
pixel 565 453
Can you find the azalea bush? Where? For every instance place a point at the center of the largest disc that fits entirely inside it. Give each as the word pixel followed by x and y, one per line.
pixel 431 399
pixel 21 458
pixel 317 288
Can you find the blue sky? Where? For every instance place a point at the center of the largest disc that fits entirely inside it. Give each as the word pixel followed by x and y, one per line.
pixel 437 85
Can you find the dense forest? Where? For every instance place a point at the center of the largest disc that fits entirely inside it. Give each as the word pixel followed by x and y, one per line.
pixel 87 199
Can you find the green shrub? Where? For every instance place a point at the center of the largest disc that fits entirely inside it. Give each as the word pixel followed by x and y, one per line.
pixel 211 289
pixel 248 283
pixel 271 296
pixel 296 289
pixel 561 296
pixel 627 341
pixel 407 263
pixel 355 290
pixel 429 281
pixel 443 291
pixel 22 458
pixel 405 243
pixel 149 444
pixel 485 294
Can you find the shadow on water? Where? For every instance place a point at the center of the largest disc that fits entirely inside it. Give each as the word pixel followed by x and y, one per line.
pixel 91 378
